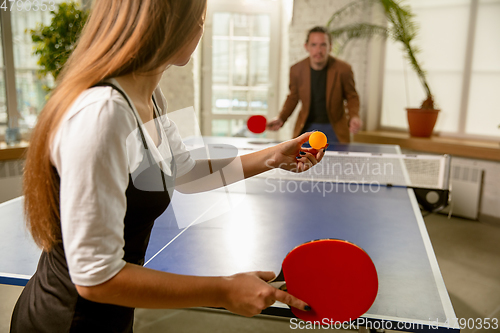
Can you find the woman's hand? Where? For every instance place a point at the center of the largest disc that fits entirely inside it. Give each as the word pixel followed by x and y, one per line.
pixel 247 294
pixel 290 155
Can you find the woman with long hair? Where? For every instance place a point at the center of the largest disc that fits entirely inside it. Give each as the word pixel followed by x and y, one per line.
pixel 91 197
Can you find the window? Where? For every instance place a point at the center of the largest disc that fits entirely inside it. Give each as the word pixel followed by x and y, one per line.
pixel 22 96
pixel 461 55
pixel 29 86
pixel 239 47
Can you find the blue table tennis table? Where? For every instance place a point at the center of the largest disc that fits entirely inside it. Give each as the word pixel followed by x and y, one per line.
pixel 270 218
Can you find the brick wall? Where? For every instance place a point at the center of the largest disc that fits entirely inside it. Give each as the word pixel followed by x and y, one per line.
pixel 178 85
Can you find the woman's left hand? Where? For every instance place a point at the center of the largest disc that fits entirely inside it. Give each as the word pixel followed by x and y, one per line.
pixel 290 155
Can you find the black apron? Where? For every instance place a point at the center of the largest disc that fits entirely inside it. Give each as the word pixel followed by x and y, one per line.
pixel 50 302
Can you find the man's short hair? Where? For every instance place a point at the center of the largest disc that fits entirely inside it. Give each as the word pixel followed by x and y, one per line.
pixel 319 29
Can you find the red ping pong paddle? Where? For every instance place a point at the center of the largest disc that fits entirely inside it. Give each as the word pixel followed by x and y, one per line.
pixel 336 278
pixel 257 124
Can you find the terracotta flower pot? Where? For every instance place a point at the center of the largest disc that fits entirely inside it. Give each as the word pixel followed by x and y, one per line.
pixel 421 121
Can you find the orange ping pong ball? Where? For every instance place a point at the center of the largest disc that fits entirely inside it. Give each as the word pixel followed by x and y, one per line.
pixel 317 140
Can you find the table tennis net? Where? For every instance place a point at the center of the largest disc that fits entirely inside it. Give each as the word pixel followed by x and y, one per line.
pixel 418 171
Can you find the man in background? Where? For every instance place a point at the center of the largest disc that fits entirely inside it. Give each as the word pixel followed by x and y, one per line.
pixel 322 83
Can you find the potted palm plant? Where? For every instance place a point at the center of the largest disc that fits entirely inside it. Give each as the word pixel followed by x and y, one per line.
pixel 401 28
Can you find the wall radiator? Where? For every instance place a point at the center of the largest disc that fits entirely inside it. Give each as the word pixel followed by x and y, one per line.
pixel 466 187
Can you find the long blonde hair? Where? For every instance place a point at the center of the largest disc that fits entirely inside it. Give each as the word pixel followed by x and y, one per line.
pixel 119 38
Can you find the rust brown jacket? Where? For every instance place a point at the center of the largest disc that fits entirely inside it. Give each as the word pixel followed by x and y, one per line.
pixel 339 87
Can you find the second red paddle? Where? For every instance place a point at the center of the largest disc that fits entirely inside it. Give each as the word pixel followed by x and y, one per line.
pixel 336 278
pixel 257 124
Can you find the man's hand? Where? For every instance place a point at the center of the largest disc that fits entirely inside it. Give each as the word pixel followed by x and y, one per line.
pixel 355 125
pixel 275 124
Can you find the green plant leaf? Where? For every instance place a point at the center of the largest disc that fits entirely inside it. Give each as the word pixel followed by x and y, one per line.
pixel 342 36
pixel 401 28
pixel 53 43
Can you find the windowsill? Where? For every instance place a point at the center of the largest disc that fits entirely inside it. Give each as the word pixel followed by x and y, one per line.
pixel 15 152
pixel 486 150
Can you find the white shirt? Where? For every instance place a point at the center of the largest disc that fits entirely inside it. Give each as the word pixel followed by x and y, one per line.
pixel 94 149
